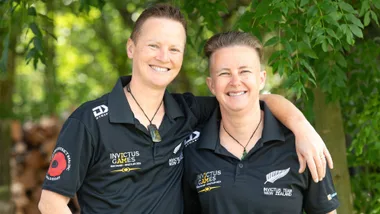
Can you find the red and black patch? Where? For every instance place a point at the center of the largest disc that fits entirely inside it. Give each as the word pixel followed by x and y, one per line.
pixel 57 165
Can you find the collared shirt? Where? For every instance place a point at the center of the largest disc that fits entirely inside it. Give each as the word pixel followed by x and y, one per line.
pixel 107 157
pixel 266 181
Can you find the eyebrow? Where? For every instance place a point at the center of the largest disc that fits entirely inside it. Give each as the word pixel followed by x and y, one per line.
pixel 173 45
pixel 227 69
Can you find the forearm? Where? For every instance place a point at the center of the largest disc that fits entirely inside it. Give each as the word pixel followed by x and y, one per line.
pixel 51 202
pixel 54 208
pixel 285 111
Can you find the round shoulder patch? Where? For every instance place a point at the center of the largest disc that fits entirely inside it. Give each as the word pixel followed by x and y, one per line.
pixel 59 163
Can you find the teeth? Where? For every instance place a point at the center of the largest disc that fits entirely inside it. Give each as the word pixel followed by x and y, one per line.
pixel 233 94
pixel 159 69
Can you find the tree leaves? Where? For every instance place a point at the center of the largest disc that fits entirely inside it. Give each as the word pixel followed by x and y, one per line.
pixel 35 29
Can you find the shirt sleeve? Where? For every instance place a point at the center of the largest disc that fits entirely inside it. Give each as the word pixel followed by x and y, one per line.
pixel 321 197
pixel 70 159
pixel 203 107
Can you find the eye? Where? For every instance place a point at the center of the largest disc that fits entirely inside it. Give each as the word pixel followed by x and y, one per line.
pixel 153 45
pixel 175 50
pixel 223 74
pixel 244 72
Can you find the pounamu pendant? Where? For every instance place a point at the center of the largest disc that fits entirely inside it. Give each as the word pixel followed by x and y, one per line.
pixel 156 137
pixel 244 154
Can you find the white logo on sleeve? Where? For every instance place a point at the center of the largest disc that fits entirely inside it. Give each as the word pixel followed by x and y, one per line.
pixel 275 175
pixel 331 196
pixel 100 111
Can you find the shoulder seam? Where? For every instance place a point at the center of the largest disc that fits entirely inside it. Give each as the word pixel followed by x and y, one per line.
pixel 87 129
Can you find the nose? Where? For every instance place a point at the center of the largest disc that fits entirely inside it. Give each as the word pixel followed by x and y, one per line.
pixel 163 55
pixel 235 80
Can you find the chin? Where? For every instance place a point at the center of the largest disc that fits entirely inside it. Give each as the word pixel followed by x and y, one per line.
pixel 161 82
pixel 234 108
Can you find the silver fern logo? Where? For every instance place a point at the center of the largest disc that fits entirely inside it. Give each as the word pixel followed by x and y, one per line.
pixel 275 175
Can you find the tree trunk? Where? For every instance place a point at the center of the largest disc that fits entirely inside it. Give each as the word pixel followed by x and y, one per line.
pixel 329 124
pixel 51 89
pixel 5 178
pixel 6 91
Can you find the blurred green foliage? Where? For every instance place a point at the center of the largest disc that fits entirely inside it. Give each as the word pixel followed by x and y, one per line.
pixel 333 45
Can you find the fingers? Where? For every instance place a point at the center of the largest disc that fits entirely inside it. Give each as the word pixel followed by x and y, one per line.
pixel 313 169
pixel 328 157
pixel 321 168
pixel 302 162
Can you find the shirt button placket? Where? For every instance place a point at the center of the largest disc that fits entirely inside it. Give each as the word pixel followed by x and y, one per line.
pixel 239 171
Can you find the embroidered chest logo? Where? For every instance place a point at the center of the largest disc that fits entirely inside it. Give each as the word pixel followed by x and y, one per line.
pixel 272 177
pixel 127 160
pixel 192 138
pixel 100 111
pixel 176 160
pixel 205 181
pixel 60 162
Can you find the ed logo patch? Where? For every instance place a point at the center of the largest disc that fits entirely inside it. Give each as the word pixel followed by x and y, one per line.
pixel 60 162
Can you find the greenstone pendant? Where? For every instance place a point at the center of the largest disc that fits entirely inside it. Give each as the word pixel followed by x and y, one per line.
pixel 244 154
pixel 156 137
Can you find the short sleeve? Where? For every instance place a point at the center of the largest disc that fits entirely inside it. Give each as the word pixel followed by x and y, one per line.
pixel 205 108
pixel 70 159
pixel 321 197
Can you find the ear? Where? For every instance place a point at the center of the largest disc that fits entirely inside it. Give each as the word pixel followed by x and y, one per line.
pixel 130 46
pixel 210 85
pixel 263 77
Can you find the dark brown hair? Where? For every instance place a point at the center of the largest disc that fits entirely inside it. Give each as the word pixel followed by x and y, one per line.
pixel 158 11
pixel 227 39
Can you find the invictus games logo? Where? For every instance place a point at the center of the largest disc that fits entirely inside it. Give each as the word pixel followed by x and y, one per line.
pixel 125 159
pixel 206 179
pixel 208 189
pixel 125 169
pixel 100 111
pixel 60 162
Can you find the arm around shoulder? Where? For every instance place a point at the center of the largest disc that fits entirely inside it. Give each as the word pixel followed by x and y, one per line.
pixel 332 212
pixel 309 145
pixel 51 202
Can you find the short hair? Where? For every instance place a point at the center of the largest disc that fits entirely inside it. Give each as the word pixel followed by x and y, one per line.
pixel 232 38
pixel 158 11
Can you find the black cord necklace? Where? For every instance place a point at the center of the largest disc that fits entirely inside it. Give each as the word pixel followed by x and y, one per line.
pixel 244 147
pixel 156 137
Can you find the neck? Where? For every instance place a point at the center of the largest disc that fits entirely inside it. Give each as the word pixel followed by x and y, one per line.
pixel 148 98
pixel 241 124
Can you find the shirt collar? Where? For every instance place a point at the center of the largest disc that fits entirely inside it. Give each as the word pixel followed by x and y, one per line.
pixel 272 131
pixel 120 111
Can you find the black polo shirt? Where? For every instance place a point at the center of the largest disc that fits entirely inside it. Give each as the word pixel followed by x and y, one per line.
pixel 266 181
pixel 107 157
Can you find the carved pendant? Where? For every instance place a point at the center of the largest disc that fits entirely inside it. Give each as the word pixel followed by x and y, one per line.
pixel 156 137
pixel 244 154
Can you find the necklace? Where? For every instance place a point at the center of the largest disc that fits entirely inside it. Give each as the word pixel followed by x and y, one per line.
pixel 244 147
pixel 156 137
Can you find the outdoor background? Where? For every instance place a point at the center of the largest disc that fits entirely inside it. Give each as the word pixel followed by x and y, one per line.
pixel 323 55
